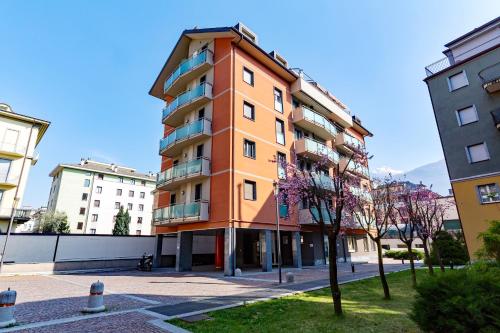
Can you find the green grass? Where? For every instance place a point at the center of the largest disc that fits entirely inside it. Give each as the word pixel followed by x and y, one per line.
pixel 363 305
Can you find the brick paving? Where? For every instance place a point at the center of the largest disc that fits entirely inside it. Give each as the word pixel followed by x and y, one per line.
pixel 58 299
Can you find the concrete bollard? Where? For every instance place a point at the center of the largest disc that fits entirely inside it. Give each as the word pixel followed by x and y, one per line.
pixel 96 298
pixel 7 307
pixel 290 278
pixel 237 272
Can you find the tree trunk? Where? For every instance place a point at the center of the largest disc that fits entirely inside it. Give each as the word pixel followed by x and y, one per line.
pixel 381 272
pixel 438 255
pixel 334 283
pixel 412 266
pixel 428 256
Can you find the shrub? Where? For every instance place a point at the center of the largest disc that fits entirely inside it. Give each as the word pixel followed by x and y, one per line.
pixel 491 242
pixel 452 250
pixel 398 255
pixel 464 300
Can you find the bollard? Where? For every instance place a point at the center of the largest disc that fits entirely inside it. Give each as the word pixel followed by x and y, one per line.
pixel 96 298
pixel 290 278
pixel 7 307
pixel 237 272
pixel 352 268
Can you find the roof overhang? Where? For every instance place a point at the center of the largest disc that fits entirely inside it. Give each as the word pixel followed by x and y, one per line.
pixel 360 128
pixel 42 124
pixel 181 49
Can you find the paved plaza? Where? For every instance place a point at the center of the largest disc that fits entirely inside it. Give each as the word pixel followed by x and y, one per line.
pixel 142 301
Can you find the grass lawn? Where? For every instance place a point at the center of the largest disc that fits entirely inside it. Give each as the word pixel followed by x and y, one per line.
pixel 364 311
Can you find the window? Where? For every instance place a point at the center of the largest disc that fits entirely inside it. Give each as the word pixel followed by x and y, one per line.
pixel 142 195
pixel 92 231
pixel 457 81
pixel 10 139
pixel 131 194
pixel 82 210
pixel 352 245
pixel 120 179
pixel 477 153
pixel 97 203
pixel 143 182
pixel 467 115
pixel 85 196
pixel 4 168
pixel 201 113
pixel 281 160
pixel 366 248
pixel 139 220
pixel 278 100
pixel 132 181
pixel 79 226
pixel 199 151
pixel 374 246
pixel 248 76
pixel 141 207
pixel 248 111
pixel 249 148
pixel 489 193
pixel 100 176
pixel 119 192
pixel 250 190
pixel 280 131
pixel 130 206
pixel 86 182
pixel 98 189
pixel 137 232
pixel 95 217
pixel 197 192
pixel 117 205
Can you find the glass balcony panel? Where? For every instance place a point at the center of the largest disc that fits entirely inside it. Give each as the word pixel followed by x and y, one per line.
pixel 192 209
pixel 283 210
pixel 184 98
pixel 182 133
pixel 185 66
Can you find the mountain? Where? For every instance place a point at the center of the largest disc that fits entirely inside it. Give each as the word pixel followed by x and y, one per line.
pixel 434 174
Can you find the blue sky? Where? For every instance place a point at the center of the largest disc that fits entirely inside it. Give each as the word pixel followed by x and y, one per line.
pixel 87 67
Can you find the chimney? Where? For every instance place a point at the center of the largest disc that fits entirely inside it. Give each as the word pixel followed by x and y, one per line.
pixel 82 161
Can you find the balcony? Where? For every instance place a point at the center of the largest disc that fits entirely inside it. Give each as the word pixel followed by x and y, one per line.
pixel 12 150
pixel 490 76
pixel 324 182
pixel 174 112
pixel 184 136
pixel 361 193
pixel 315 150
pixel 305 216
pixel 187 71
pixel 354 168
pixel 348 143
pixel 437 66
pixel 307 90
pixel 181 213
pixel 8 181
pixel 182 173
pixel 20 215
pixel 314 122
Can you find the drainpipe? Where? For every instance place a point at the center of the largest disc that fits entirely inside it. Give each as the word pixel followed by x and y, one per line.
pixel 16 199
pixel 87 211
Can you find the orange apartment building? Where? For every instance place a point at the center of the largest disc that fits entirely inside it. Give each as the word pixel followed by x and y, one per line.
pixel 231 110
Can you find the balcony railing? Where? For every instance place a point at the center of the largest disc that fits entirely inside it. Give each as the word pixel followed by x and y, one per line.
pixel 12 148
pixel 316 149
pixel 490 76
pixel 437 66
pixel 183 133
pixel 8 179
pixel 316 119
pixel 187 97
pixel 349 141
pixel 183 171
pixel 197 211
pixel 307 216
pixel 323 181
pixel 356 168
pixel 187 65
pixel 359 192
pixel 20 214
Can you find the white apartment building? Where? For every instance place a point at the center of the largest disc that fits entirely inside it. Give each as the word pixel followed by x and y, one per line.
pixel 19 137
pixel 91 193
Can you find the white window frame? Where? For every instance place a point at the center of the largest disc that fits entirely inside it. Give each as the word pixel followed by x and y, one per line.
pixel 467 152
pixel 281 109
pixel 252 76
pixel 449 81
pixel 495 185
pixel 457 113
pixel 250 143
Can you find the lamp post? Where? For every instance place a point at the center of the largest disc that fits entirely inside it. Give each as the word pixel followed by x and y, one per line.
pixel 276 194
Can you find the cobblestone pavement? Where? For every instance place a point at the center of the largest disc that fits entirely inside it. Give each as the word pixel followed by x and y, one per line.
pixel 136 300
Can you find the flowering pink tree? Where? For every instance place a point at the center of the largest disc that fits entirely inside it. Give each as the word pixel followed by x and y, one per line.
pixel 373 211
pixel 406 221
pixel 431 212
pixel 324 187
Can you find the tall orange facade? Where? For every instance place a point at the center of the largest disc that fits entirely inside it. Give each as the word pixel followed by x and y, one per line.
pixel 231 110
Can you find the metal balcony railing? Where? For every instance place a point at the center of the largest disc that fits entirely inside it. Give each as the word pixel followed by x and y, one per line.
pixel 184 132
pixel 188 65
pixel 437 66
pixel 182 170
pixel 204 89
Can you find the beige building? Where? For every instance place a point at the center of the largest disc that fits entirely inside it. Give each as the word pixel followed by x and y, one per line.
pixel 19 137
pixel 91 193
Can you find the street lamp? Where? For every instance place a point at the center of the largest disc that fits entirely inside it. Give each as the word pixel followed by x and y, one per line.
pixel 276 194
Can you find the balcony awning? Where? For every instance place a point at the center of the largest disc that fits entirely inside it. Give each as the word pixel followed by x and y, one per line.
pixel 496 117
